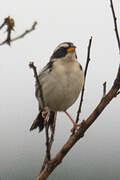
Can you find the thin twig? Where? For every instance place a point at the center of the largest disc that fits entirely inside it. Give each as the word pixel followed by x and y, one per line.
pixel 31 65
pixel 51 140
pixel 104 88
pixel 48 156
pixel 115 24
pixel 9 29
pixel 2 25
pixel 25 33
pixel 85 73
pixel 9 22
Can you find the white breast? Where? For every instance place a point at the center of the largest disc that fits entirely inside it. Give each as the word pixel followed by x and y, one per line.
pixel 61 87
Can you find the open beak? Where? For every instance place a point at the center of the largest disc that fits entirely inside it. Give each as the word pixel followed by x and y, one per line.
pixel 71 49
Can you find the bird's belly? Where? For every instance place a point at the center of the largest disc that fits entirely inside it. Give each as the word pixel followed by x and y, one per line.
pixel 59 94
pixel 61 102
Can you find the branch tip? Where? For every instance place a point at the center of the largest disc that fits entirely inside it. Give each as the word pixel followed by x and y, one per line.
pixel 85 73
pixel 115 24
pixel 104 88
pixel 31 64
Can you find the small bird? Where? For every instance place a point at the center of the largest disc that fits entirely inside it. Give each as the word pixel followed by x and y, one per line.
pixel 61 81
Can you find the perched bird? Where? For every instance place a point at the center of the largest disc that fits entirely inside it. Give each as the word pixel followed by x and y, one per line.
pixel 61 81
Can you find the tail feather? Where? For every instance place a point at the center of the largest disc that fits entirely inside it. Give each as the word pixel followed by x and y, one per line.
pixel 39 121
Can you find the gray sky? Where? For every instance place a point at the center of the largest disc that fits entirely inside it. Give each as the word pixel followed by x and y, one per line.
pixel 97 155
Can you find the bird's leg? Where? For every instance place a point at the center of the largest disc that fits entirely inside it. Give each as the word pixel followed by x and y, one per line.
pixel 75 125
pixel 52 126
pixel 46 114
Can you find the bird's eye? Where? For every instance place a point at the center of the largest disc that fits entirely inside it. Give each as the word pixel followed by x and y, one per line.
pixel 59 53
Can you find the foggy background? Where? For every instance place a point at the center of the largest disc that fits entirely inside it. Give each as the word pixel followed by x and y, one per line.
pixel 97 155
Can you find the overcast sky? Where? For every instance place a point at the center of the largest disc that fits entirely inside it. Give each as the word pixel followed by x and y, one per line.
pixel 97 155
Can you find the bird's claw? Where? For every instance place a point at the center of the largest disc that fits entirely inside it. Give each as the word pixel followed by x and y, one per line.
pixel 75 128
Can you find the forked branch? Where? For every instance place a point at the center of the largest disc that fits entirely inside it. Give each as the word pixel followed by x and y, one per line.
pixel 84 125
pixel 10 23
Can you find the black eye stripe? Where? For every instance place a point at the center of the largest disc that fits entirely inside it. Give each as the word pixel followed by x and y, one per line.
pixel 59 53
pixel 62 51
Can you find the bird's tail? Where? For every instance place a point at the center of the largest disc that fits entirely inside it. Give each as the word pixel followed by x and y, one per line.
pixel 40 123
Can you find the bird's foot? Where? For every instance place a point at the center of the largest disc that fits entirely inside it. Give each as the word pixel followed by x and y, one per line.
pixel 46 115
pixel 75 128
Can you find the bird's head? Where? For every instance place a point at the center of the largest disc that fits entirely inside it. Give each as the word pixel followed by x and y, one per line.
pixel 64 50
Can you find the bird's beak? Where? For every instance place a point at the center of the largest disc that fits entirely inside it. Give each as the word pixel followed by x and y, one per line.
pixel 71 49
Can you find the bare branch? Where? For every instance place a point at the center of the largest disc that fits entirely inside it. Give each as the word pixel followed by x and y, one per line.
pixel 2 25
pixel 26 32
pixel 9 22
pixel 85 73
pixel 48 156
pixel 51 140
pixel 31 65
pixel 115 24
pixel 84 125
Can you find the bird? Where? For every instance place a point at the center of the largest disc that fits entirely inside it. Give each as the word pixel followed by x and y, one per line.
pixel 61 81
